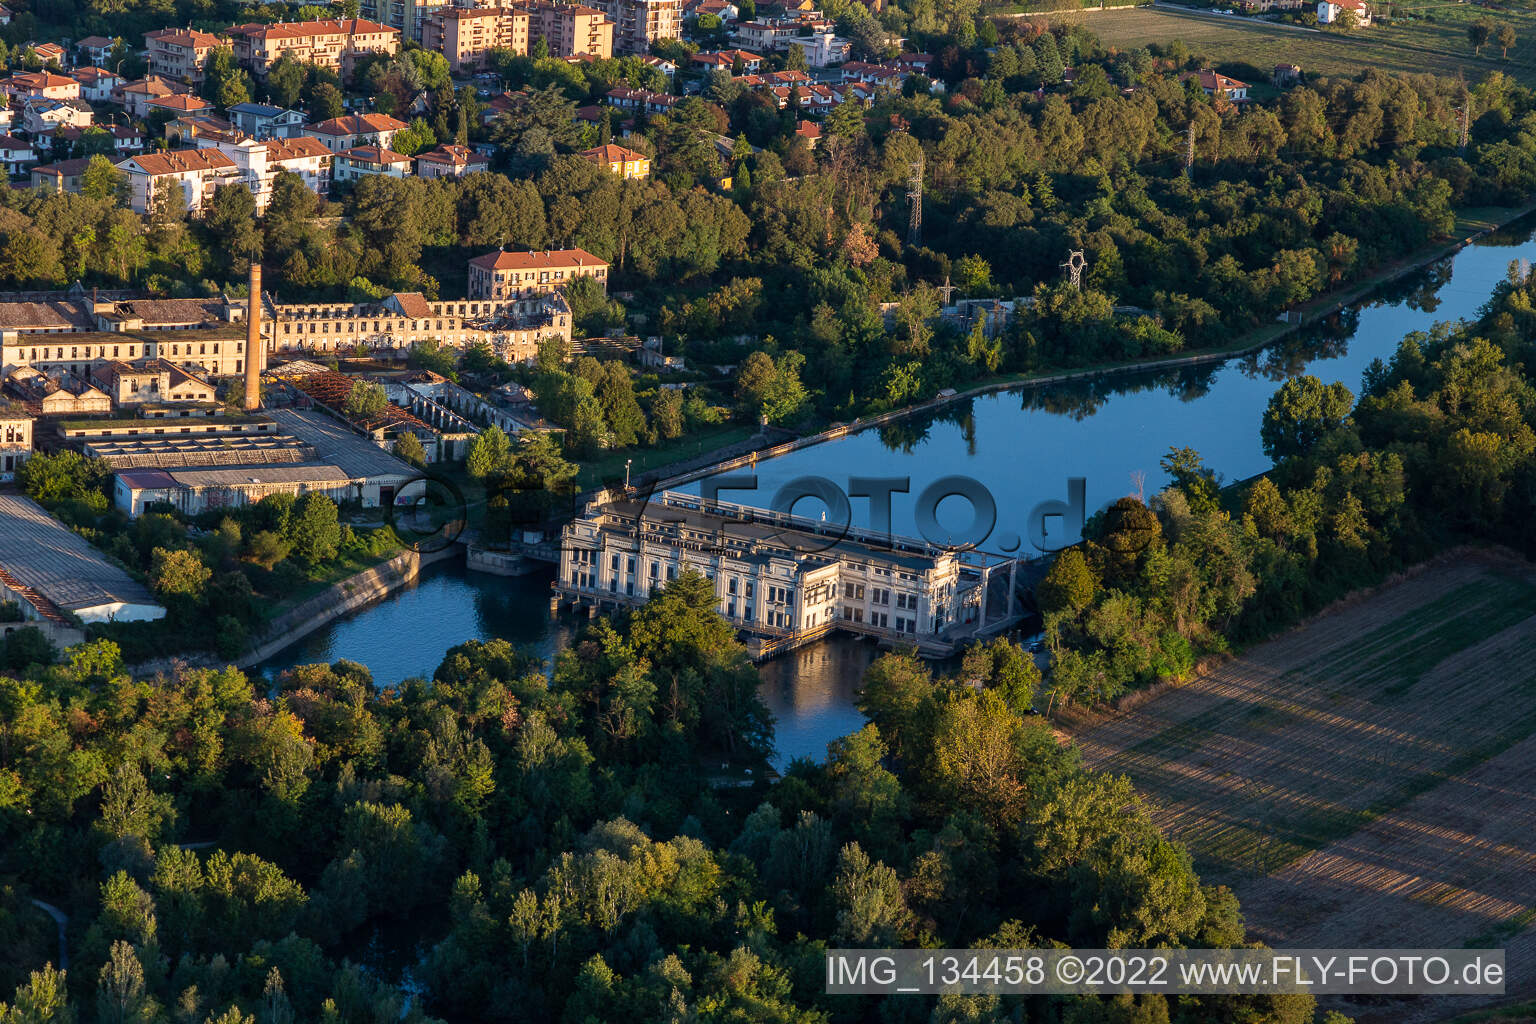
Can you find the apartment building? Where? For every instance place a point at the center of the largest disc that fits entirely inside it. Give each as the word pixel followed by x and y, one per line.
pixel 134 97
pixel 639 23
pixel 353 130
pixel 43 117
pixel 409 17
pixel 95 50
pixel 180 53
pixel 96 85
pixel 515 275
pixel 368 162
pixel 259 163
pixel 192 173
pixel 263 122
pixel 332 43
pixel 571 30
pixel 466 36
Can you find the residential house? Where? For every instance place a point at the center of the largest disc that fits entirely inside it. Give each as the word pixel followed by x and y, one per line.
pixel 134 97
pixel 16 155
pixel 1330 11
pixel 822 49
pixel 60 177
pixel 353 130
pixel 513 275
pixel 5 15
pixel 40 117
pixel 570 29
pixel 626 163
pixel 810 132
pixel 126 139
pixel 41 85
pixel 1286 75
pixel 179 105
pixel 200 129
pixel 767 36
pixel 728 60
pixel 451 162
pixel 333 43
pixel 1217 85
pixel 193 173
pixel 642 100
pixel 263 122
pixel 639 23
pixel 180 53
pixel 722 9
pixel 96 84
pixel 95 50
pixel 51 54
pixel 873 74
pixel 367 161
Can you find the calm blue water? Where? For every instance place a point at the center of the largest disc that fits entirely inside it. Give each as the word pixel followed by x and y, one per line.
pixel 1022 446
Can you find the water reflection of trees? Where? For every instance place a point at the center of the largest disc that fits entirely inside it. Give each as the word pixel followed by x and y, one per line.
pixel 1419 290
pixel 904 435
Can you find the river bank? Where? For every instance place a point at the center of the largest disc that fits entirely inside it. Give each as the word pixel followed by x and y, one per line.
pixel 337 601
pixel 1470 230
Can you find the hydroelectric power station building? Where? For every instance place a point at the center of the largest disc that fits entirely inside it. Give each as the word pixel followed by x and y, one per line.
pixel 785 580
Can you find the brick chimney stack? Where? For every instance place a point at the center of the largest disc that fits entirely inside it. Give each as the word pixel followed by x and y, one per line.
pixel 255 356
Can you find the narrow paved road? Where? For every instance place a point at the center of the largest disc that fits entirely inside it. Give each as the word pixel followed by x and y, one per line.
pixel 62 920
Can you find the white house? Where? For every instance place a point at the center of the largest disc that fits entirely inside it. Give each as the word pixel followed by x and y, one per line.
pixel 1328 11
pixel 16 155
pixel 365 161
pixel 195 173
pixel 822 49
pixel 42 116
pixel 263 122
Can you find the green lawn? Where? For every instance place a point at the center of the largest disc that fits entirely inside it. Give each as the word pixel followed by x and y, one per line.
pixel 1419 45
pixel 610 466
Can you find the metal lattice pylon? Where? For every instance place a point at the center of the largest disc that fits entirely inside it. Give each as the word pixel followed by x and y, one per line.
pixel 1075 265
pixel 915 204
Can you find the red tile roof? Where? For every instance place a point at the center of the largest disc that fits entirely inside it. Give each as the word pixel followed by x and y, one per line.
pixel 547 260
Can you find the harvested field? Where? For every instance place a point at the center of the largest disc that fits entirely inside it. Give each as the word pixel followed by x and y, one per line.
pixel 1437 46
pixel 1365 779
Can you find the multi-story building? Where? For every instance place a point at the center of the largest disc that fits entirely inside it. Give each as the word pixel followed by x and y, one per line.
pixel 42 85
pixel 332 43
pixel 517 275
pixel 260 121
pixel 368 162
pixel 408 16
pixel 16 155
pixel 70 334
pixel 193 174
pixel 780 578
pixel 15 438
pixel 353 130
pixel 571 30
pixel 180 53
pixel 466 36
pixel 96 84
pixel 150 381
pixel 450 162
pixel 95 50
pixel 134 97
pixel 639 23
pixel 60 177
pixel 259 162
pixel 178 105
pixel 512 328
pixel 41 117
pixel 621 161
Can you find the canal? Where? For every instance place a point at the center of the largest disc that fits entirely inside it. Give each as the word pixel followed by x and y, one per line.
pixel 1022 446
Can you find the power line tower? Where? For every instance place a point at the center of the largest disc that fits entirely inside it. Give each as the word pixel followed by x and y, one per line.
pixel 1076 262
pixel 915 204
pixel 1189 151
pixel 1466 124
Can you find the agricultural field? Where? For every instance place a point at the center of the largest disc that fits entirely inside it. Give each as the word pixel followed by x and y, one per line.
pixel 1247 48
pixel 1369 767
